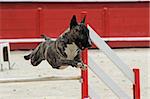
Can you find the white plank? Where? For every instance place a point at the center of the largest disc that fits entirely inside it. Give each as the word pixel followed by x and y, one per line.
pixel 53 78
pixel 23 40
pixel 107 80
pixel 105 39
pixel 99 42
pixel 127 39
pixel 93 94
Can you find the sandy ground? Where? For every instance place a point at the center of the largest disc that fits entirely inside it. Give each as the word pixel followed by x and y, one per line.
pixel 135 57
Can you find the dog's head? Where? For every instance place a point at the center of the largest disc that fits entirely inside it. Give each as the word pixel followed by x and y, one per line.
pixel 80 33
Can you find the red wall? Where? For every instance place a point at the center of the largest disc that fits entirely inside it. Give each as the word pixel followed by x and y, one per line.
pixel 28 20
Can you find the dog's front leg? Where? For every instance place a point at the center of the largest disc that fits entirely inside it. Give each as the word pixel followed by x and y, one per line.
pixel 80 62
pixel 82 66
pixel 67 62
pixel 56 63
pixel 74 63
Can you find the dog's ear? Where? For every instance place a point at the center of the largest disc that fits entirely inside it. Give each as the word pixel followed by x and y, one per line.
pixel 73 22
pixel 83 20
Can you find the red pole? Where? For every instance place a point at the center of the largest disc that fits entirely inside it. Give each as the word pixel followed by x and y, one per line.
pixel 84 73
pixel 136 85
pixel 39 21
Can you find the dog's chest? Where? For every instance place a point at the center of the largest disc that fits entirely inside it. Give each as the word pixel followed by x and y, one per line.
pixel 71 50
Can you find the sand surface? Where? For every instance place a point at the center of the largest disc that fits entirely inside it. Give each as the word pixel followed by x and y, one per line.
pixel 134 57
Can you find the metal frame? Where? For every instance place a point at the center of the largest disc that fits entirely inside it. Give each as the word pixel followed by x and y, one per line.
pixel 134 76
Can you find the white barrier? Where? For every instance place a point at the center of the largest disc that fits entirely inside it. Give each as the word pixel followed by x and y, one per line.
pixel 133 76
pixel 107 80
pixel 127 39
pixel 23 40
pixel 105 39
pixel 93 94
pixel 4 55
pixel 99 42
pixel 53 78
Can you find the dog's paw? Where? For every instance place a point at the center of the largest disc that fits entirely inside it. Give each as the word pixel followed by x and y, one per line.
pixel 27 57
pixel 82 66
pixel 79 65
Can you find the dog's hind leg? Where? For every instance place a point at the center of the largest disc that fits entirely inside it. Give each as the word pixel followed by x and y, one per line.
pixel 27 57
pixel 37 55
pixel 36 61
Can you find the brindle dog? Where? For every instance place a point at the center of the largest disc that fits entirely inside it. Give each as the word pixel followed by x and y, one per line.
pixel 65 50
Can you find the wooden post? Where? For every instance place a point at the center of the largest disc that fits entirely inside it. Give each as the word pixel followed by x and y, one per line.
pixel 84 73
pixel 136 85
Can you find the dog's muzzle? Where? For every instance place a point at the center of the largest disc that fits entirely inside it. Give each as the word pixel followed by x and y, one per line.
pixel 88 45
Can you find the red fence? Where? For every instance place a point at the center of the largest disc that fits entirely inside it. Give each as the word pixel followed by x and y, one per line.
pixel 29 20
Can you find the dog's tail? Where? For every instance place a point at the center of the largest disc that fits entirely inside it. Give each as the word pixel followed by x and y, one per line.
pixel 46 37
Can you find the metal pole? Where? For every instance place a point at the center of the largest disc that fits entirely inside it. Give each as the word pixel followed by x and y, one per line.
pixel 84 73
pixel 136 85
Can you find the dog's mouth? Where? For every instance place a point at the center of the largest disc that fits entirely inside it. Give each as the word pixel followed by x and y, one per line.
pixel 81 46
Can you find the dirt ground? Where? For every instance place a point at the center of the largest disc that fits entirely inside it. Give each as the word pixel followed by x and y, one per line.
pixel 133 57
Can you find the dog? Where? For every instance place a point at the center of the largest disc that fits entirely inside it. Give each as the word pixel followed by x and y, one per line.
pixel 65 50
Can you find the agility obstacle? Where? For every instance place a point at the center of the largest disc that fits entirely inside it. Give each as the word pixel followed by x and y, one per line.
pixel 132 75
pixel 87 91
